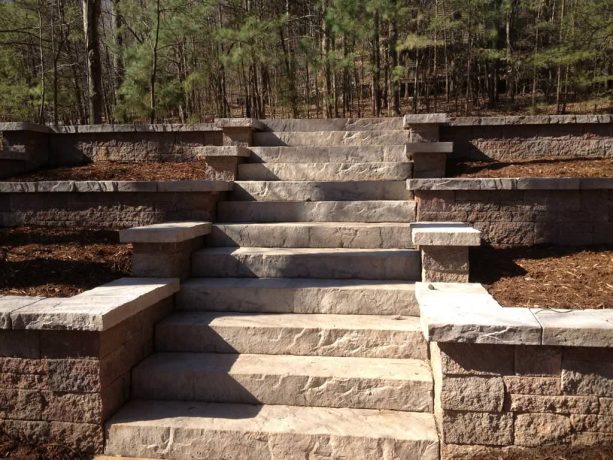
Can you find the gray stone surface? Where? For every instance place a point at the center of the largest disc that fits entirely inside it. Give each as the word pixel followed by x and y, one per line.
pixel 312 235
pixel 388 264
pixel 252 123
pixel 425 118
pixel 267 432
pixel 10 304
pixel 169 232
pixel 477 428
pixel 319 191
pixel 317 211
pixel 534 430
pixel 427 147
pixel 538 183
pixel 331 154
pixel 476 394
pixel 24 126
pixel 333 124
pixel 287 295
pixel 115 186
pixel 208 151
pixel 314 381
pixel 98 309
pixel 444 234
pixel 142 128
pixel 530 120
pixel 581 328
pixel 331 138
pixel 324 171
pixel 365 336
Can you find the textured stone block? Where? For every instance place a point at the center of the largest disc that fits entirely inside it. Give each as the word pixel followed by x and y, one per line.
pixel 19 344
pixel 71 407
pixel 476 359
pixel 477 428
pixel 587 378
pixel 477 394
pixel 429 164
pixel 82 437
pixel 606 406
pixel 522 385
pixel 538 360
pixel 533 430
pixel 593 423
pixel 444 264
pixel 74 375
pixel 554 404
pixel 22 381
pixel 21 404
pixel 10 303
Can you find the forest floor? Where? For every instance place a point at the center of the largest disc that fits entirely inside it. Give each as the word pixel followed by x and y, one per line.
pixel 120 171
pixel 546 276
pixel 59 262
pixel 546 167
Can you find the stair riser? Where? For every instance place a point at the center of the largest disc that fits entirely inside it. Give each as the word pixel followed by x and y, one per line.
pixel 322 211
pixel 339 154
pixel 324 171
pixel 345 266
pixel 334 124
pixel 280 389
pixel 153 442
pixel 292 236
pixel 320 191
pixel 331 138
pixel 290 341
pixel 299 300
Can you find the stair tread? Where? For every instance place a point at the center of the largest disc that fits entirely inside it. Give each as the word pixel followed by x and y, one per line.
pixel 249 418
pixel 317 224
pixel 307 251
pixel 180 363
pixel 289 283
pixel 296 320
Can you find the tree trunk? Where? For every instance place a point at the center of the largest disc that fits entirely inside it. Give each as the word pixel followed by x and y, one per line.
pixel 91 17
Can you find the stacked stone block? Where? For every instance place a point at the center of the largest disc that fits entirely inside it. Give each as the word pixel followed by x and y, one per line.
pixel 531 400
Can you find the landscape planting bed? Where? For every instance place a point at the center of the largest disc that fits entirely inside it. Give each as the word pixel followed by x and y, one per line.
pixel 59 262
pixel 546 276
pixel 546 167
pixel 120 171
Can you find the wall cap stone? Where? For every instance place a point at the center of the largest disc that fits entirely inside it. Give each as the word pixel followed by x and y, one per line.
pixel 222 151
pixel 135 128
pixel 24 126
pixel 98 309
pixel 424 118
pixel 467 313
pixel 116 186
pixel 526 183
pixel 531 120
pixel 252 123
pixel 444 234
pixel 428 147
pixel 169 232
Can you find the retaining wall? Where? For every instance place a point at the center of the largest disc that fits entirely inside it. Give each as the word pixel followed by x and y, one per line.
pixel 107 204
pixel 522 212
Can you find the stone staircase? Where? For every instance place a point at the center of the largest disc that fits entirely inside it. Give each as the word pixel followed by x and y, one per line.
pixel 298 334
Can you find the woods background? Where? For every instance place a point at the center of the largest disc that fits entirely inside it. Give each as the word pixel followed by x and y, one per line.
pixel 91 61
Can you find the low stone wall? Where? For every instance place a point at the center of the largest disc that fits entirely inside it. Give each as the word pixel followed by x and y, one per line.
pixel 63 374
pixel 530 137
pixel 517 382
pixel 522 212
pixel 107 204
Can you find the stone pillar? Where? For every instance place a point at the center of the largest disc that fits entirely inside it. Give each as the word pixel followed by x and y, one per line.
pixel 444 250
pixel 164 250
pixel 238 131
pixel 425 127
pixel 23 147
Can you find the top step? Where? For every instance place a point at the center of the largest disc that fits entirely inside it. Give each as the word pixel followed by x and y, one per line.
pixel 333 124
pixel 331 138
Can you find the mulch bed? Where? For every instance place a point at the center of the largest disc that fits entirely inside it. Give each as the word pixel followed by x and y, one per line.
pixel 121 171
pixel 546 167
pixel 14 450
pixel 546 276
pixel 59 262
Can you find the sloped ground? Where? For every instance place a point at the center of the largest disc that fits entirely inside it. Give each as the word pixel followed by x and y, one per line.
pixel 546 276
pixel 59 262
pixel 125 171
pixel 546 167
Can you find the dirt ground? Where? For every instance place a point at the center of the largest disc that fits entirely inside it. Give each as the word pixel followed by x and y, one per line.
pixel 59 262
pixel 546 276
pixel 124 171
pixel 547 167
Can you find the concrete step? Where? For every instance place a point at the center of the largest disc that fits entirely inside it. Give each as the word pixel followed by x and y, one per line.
pixel 327 154
pixel 324 171
pixel 247 262
pixel 330 138
pixel 333 124
pixel 320 191
pixel 181 430
pixel 312 235
pixel 316 211
pixel 298 295
pixel 364 336
pixel 315 381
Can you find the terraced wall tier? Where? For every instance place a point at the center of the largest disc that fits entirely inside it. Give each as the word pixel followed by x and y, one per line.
pixel 530 137
pixel 107 204
pixel 522 212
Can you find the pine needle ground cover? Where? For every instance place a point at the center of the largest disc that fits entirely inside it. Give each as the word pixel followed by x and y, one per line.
pixel 546 167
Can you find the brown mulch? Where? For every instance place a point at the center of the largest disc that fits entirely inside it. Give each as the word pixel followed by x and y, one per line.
pixel 124 171
pixel 546 167
pixel 14 450
pixel 59 262
pixel 546 276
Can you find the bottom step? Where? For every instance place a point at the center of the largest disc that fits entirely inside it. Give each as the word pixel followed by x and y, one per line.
pixel 181 430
